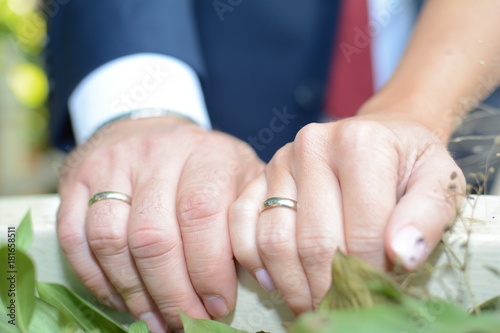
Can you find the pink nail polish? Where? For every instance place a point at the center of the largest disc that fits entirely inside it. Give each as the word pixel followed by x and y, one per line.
pixel 265 280
pixel 410 246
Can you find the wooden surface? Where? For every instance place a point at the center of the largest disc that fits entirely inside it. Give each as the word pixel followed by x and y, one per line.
pixel 257 309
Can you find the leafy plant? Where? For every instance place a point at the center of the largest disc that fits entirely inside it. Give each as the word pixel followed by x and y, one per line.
pixel 56 308
pixel 361 299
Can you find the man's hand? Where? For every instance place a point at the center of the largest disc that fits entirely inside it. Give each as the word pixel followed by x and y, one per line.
pixel 380 188
pixel 170 248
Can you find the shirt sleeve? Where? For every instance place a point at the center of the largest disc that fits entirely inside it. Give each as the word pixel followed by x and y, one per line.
pixel 391 23
pixel 137 81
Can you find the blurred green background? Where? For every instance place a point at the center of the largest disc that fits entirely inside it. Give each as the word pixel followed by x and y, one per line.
pixel 27 163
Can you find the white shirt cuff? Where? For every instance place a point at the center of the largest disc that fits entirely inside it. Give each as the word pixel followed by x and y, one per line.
pixel 143 80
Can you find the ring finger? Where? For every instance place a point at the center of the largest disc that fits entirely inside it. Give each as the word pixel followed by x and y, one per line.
pixel 106 229
pixel 276 237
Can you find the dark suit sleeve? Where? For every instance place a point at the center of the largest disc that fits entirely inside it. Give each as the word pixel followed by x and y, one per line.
pixel 85 34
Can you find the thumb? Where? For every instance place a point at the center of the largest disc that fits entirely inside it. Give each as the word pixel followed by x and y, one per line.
pixel 435 189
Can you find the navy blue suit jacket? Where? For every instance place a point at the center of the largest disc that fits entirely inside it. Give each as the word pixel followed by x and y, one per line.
pixel 262 64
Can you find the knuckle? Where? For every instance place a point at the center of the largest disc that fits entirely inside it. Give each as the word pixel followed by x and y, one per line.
pixel 133 292
pixel 316 250
pixel 92 279
pixel 274 244
pixel 151 243
pixel 357 136
pixel 206 272
pixel 309 141
pixel 105 240
pixel 198 208
pixel 70 239
pixel 309 134
pixel 365 245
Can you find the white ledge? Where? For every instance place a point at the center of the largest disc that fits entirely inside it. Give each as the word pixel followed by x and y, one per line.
pixel 257 309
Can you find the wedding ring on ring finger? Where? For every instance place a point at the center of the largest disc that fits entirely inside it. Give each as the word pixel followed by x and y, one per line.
pixel 110 195
pixel 274 202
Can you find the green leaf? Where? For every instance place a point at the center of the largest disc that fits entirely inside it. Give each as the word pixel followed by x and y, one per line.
pixel 17 285
pixel 356 284
pixel 24 233
pixel 192 325
pixel 429 317
pixel 6 327
pixel 139 327
pixel 77 309
pixel 47 319
pixel 362 299
pixel 492 304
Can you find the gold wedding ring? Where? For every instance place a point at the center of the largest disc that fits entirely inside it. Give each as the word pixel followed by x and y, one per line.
pixel 279 202
pixel 110 195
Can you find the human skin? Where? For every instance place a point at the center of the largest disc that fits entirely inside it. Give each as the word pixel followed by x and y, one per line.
pixel 380 185
pixel 172 246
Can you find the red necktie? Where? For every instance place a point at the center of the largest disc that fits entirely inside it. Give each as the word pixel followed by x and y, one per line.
pixel 350 80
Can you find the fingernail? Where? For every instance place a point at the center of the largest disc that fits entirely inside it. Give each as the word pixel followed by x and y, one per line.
pixel 116 301
pixel 410 246
pixel 154 321
pixel 216 306
pixel 265 280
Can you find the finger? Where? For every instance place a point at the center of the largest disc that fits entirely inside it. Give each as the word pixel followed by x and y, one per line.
pixel 156 245
pixel 367 168
pixel 73 241
pixel 243 217
pixel 429 204
pixel 320 230
pixel 276 232
pixel 107 226
pixel 206 189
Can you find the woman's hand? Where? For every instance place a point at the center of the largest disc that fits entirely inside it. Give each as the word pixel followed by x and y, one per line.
pixel 380 188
